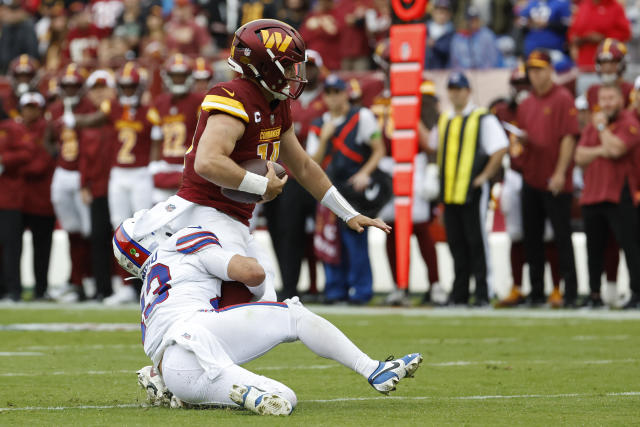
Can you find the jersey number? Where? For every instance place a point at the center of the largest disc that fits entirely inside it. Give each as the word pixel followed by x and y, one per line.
pixel 69 148
pixel 175 134
pixel 127 138
pixel 159 272
pixel 263 150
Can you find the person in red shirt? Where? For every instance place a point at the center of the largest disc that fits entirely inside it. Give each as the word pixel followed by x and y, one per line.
pixel 610 65
pixel 548 120
pixel 593 21
pixel 178 109
pixel 354 40
pixel 37 210
pixel 321 32
pixel 606 154
pixel 81 44
pixel 15 153
pixel 184 34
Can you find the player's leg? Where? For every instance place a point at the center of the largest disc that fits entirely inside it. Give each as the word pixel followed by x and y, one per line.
pixel 234 386
pixel 249 331
pixel 120 197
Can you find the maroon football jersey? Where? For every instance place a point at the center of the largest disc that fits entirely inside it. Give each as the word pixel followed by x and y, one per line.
pixel 133 145
pixel 264 123
pixel 178 118
pixel 67 139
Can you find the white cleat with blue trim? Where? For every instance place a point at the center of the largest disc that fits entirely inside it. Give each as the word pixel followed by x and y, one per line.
pixel 391 371
pixel 260 401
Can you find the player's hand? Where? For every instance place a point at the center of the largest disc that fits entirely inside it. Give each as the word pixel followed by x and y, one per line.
pixel 275 185
pixel 598 118
pixel 556 183
pixel 357 223
pixel 87 198
pixel 360 181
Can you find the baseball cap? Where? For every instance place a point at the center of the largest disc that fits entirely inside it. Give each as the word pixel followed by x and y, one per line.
pixel 472 12
pixel 32 98
pixel 334 82
pixel 539 59
pixel 442 4
pixel 458 80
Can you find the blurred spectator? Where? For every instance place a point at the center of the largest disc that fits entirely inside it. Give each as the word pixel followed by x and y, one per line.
pixel 347 141
pixel 73 215
pixel 605 152
pixel 594 21
pixel 548 121
pixel 471 144
pixel 293 12
pixel 202 75
pixel 37 210
pixel 287 215
pixel 184 35
pixel 354 44
pixel 378 20
pixel 82 41
pixel 152 42
pixel 545 23
pixel 52 32
pixel 610 65
pixel 17 35
pixel 511 195
pixel 23 75
pixel 105 14
pixel 501 17
pixel 131 25
pixel 474 46
pixel 214 12
pixel 250 10
pixel 440 31
pixel 320 33
pixel 15 154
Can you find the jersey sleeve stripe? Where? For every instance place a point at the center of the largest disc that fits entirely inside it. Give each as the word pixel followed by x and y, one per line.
pixel 198 245
pixel 192 236
pixel 230 106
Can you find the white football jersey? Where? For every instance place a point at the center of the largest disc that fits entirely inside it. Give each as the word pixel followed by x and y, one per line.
pixel 183 276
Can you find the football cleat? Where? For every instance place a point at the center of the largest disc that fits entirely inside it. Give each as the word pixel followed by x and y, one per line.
pixel 260 401
pixel 391 371
pixel 157 393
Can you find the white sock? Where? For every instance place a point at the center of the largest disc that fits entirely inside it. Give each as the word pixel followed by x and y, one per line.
pixel 327 341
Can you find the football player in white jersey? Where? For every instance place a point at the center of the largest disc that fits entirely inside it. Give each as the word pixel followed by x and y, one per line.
pixel 196 347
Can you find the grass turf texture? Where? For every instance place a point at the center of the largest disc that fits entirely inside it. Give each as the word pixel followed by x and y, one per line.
pixel 568 371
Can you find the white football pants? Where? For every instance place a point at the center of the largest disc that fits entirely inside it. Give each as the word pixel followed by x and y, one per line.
pixel 73 214
pixel 243 333
pixel 130 189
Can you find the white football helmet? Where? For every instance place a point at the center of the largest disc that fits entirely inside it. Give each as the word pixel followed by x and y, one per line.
pixel 132 254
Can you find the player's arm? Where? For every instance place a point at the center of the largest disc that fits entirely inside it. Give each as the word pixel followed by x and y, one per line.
pixel 213 163
pixel 311 176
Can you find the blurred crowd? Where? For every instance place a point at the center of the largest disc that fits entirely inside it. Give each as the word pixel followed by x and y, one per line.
pixel 100 100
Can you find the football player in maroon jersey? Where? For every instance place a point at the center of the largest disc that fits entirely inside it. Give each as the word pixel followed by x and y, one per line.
pixel 178 109
pixel 249 118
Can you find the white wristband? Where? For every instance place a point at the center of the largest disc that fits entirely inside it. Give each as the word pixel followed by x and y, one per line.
pixel 254 183
pixel 338 204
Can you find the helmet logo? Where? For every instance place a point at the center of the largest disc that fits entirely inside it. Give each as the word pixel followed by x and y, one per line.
pixel 133 252
pixel 275 38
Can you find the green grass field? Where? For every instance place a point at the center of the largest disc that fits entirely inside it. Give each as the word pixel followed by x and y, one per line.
pixel 481 368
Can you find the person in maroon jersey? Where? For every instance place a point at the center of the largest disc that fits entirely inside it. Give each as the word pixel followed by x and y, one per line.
pixel 610 65
pixel 249 118
pixel 287 215
pixel 72 213
pixel 130 181
pixel 548 118
pixel 15 154
pixel 605 152
pixel 37 210
pixel 178 110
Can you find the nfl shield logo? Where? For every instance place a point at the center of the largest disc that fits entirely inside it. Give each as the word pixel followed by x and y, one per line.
pixel 170 207
pixel 273 119
pixel 186 336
